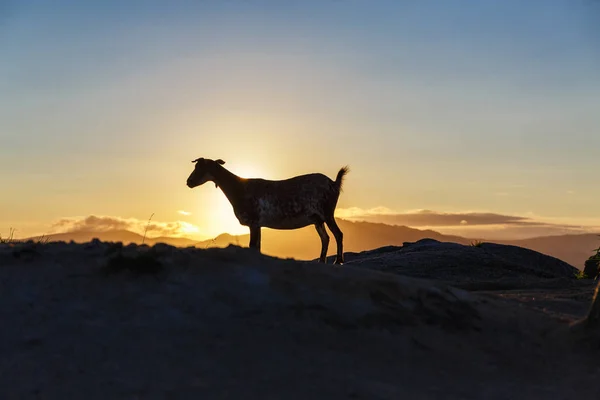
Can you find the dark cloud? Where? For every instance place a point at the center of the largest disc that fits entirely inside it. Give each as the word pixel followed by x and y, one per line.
pixel 429 218
pixel 432 218
pixel 512 232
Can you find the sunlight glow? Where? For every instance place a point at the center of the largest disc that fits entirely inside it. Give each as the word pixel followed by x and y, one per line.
pixel 223 219
pixel 248 171
pixel 216 212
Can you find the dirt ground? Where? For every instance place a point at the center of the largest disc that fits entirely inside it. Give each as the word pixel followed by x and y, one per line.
pixel 565 304
pixel 103 321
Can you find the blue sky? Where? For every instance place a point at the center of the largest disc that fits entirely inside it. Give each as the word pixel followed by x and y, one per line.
pixel 445 105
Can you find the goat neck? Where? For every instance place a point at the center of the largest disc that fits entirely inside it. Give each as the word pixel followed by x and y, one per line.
pixel 231 184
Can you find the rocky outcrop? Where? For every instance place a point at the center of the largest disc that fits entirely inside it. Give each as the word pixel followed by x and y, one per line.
pixel 446 261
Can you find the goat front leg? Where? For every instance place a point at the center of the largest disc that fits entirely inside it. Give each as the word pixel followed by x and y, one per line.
pixel 255 238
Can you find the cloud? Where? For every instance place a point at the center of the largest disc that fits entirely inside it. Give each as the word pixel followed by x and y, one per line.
pixel 94 223
pixel 186 213
pixel 512 232
pixel 470 224
pixel 430 218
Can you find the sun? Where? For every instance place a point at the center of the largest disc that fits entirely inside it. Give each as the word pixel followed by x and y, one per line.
pixel 224 220
pixel 219 215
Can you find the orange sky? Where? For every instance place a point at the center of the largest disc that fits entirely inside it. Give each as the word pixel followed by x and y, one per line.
pixel 458 108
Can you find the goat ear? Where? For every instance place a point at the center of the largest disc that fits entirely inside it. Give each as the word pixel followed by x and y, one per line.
pixel 221 162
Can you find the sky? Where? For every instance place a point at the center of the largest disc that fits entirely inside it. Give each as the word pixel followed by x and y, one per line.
pixel 445 109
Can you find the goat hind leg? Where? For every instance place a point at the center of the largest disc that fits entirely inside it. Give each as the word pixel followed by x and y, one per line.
pixel 339 238
pixel 324 241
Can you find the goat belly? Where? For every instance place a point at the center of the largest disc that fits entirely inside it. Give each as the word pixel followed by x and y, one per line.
pixel 286 223
pixel 245 219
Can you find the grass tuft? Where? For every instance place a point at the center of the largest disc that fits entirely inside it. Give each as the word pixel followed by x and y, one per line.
pixel 477 243
pixel 10 238
pixel 147 226
pixel 42 239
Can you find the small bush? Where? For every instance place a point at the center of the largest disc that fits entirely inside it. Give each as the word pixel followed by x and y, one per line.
pixel 580 275
pixel 477 243
pixel 140 264
pixel 592 266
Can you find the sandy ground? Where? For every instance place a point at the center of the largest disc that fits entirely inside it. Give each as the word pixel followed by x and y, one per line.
pixel 79 322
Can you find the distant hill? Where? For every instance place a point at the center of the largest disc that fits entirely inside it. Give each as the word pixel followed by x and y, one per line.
pixel 124 236
pixel 358 236
pixel 573 249
pixel 305 244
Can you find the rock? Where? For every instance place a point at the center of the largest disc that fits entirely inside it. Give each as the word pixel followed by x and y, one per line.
pixel 432 259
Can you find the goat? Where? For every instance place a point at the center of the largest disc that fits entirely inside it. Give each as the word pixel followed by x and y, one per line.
pixel 283 204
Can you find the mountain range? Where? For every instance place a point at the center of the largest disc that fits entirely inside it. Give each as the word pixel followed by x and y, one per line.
pixel 304 244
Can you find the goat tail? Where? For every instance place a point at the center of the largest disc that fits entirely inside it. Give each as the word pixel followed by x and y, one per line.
pixel 339 179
